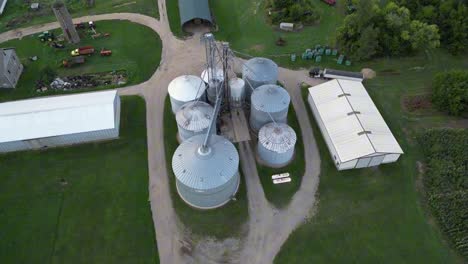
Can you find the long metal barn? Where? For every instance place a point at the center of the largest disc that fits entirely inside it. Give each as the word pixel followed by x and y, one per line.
pixel 59 120
pixel 355 132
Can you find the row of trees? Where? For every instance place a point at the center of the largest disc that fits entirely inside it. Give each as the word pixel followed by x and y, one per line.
pixel 293 11
pixel 446 181
pixel 451 16
pixel 374 31
pixel 450 92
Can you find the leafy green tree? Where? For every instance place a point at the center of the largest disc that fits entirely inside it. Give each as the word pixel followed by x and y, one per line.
pixel 450 92
pixel 423 36
pixel 367 44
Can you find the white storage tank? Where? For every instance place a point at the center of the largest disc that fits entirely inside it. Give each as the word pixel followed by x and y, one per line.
pixel 206 179
pixel 194 118
pixel 237 89
pixel 184 89
pixel 276 143
pixel 216 80
pixel 257 72
pixel 269 102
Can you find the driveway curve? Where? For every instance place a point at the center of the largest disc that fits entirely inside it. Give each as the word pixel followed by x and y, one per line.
pixel 268 227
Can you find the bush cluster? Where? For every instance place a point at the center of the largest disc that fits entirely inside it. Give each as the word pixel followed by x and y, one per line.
pixel 293 11
pixel 446 181
pixel 450 92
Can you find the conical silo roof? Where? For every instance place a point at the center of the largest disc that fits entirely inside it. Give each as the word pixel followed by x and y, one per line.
pixel 218 75
pixel 277 137
pixel 270 98
pixel 186 88
pixel 260 70
pixel 205 171
pixel 194 116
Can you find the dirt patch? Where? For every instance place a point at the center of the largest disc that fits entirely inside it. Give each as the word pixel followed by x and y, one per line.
pixel 257 48
pixel 416 102
pixel 389 72
pixel 368 73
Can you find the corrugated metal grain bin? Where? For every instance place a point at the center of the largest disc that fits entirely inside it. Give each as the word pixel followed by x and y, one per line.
pixel 194 118
pixel 269 102
pixel 184 89
pixel 276 143
pixel 206 179
pixel 257 72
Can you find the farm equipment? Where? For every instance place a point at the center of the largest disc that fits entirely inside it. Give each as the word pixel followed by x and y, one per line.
pixel 105 52
pixel 86 50
pixel 73 61
pixel 57 45
pixel 46 36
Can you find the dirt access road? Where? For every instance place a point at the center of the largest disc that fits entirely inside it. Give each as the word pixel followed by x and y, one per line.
pixel 268 227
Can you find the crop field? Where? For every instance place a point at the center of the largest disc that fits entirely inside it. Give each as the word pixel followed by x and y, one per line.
pixel 378 215
pixel 446 182
pixel 221 222
pixel 139 58
pixel 17 13
pixel 81 204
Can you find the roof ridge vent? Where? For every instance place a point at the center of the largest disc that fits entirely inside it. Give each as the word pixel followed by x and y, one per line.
pixel 365 132
pixel 344 94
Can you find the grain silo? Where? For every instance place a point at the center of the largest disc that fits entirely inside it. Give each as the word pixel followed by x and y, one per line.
pixel 269 102
pixel 185 88
pixel 208 177
pixel 213 82
pixel 237 92
pixel 194 118
pixel 65 20
pixel 276 142
pixel 257 72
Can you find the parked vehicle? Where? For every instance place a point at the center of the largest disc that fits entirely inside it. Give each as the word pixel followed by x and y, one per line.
pixel 330 2
pixel 73 61
pixel 46 36
pixel 105 52
pixel 86 50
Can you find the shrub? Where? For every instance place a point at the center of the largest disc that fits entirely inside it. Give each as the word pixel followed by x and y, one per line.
pixel 450 92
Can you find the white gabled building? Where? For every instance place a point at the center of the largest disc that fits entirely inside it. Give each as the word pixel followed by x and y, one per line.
pixel 354 130
pixel 59 120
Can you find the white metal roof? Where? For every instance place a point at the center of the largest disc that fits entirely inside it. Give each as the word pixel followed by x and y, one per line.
pixel 57 115
pixel 353 122
pixel 186 88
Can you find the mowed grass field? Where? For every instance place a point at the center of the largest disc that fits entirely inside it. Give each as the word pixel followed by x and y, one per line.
pixel 378 215
pixel 223 222
pixel 16 9
pixel 243 24
pixel 139 57
pixel 80 204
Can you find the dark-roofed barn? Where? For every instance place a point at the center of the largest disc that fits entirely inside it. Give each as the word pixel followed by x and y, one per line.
pixel 194 12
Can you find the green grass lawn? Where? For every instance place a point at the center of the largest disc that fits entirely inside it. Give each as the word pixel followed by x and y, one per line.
pixel 221 222
pixel 16 9
pixel 377 215
pixel 280 194
pixel 139 57
pixel 172 8
pixel 243 24
pixel 101 215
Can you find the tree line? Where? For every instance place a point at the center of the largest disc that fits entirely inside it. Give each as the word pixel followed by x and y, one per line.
pixel 402 27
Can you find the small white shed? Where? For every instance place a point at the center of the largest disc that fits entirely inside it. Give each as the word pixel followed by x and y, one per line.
pixel 354 130
pixel 287 26
pixel 59 121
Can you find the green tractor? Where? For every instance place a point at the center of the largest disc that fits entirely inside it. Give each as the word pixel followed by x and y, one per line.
pixel 47 36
